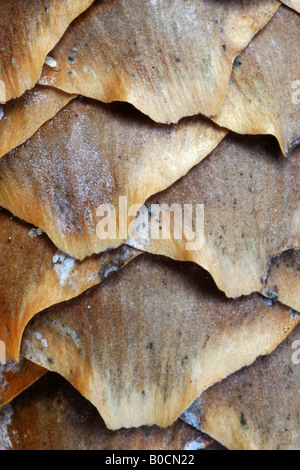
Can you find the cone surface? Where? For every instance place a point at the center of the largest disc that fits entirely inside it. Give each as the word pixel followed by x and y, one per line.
pixel 149 225
pixel 147 341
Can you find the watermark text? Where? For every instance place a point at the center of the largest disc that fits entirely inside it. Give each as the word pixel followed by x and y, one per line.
pixel 158 221
pixel 2 353
pixel 296 354
pixel 296 94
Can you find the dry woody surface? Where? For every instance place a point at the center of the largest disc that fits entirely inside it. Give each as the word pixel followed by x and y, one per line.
pixel 137 336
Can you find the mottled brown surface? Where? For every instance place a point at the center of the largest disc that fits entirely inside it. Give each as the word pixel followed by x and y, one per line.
pixel 90 154
pixel 252 212
pixel 21 118
pixel 28 31
pixel 259 406
pixel 31 279
pixel 215 446
pixel 151 338
pixel 51 415
pixel 262 96
pixel 283 279
pixel 16 377
pixel 169 58
pixel 295 4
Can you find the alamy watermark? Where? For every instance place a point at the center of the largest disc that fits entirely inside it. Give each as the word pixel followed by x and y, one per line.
pixel 296 354
pixel 158 221
pixel 2 92
pixel 296 93
pixel 2 353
